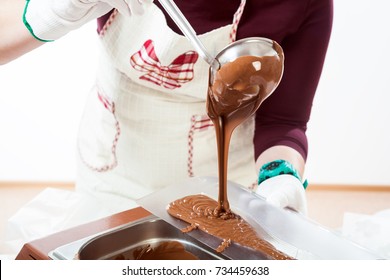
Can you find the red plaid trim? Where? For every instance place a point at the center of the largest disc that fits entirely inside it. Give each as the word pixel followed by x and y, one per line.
pixel 236 20
pixel 180 71
pixel 252 186
pixel 108 23
pixel 198 123
pixel 107 103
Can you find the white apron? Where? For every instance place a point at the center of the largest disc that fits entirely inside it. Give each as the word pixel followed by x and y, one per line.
pixel 145 124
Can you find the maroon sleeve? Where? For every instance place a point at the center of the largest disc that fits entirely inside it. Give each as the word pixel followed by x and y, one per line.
pixel 282 118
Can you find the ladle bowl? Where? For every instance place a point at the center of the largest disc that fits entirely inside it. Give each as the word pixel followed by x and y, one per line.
pixel 252 46
pixel 270 73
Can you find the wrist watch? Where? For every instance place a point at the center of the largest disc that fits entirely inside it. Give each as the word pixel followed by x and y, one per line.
pixel 278 167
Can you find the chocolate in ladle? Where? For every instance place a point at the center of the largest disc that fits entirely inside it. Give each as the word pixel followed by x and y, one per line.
pixel 235 92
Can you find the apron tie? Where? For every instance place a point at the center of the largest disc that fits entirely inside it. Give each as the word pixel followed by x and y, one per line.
pixel 236 21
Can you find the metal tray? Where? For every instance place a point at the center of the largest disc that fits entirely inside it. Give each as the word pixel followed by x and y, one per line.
pixel 288 231
pixel 123 241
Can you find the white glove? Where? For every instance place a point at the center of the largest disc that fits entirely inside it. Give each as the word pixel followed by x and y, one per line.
pixel 48 20
pixel 284 191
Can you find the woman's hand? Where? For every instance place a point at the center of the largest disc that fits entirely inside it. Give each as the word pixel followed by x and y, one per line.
pixel 48 20
pixel 284 191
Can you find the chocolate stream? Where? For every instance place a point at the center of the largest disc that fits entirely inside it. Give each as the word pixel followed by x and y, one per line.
pixel 234 94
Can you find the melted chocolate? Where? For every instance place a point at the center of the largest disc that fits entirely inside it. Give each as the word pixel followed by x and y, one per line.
pixel 198 211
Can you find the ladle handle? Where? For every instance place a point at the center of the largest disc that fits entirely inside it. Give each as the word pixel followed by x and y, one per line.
pixel 185 27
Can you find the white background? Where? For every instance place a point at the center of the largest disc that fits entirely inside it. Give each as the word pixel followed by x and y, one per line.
pixel 42 95
pixel 349 131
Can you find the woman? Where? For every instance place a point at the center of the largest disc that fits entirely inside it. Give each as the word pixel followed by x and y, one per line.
pixel 144 128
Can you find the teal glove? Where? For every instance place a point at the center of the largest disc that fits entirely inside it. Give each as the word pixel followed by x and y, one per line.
pixel 278 167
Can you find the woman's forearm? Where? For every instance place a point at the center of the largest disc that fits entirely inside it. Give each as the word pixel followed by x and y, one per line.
pixel 15 39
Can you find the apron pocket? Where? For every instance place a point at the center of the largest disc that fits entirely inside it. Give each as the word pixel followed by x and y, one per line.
pixel 99 133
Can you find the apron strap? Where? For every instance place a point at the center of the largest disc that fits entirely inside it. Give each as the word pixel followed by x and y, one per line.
pixel 236 20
